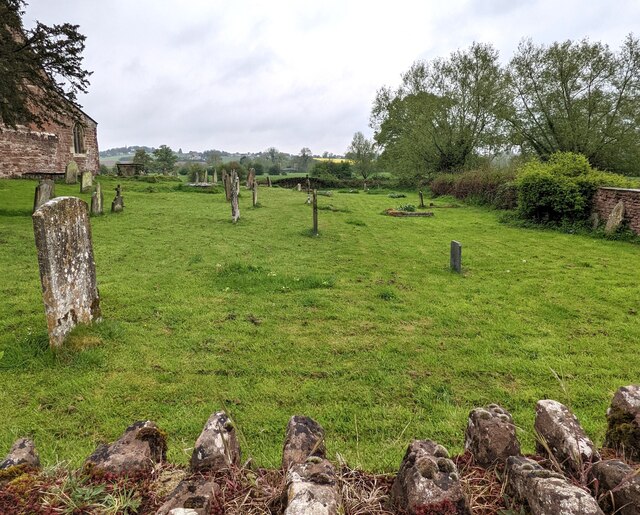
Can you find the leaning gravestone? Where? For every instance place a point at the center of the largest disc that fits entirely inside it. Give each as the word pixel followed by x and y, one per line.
pixel 86 182
pixel 67 267
pixel 45 191
pixel 97 201
pixel 71 173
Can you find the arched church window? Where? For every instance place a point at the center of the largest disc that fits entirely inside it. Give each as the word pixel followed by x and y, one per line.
pixel 78 139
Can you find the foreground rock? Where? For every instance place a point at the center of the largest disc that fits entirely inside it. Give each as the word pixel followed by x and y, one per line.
pixel 564 437
pixel 304 438
pixel 312 488
pixel 491 435
pixel 618 487
pixel 428 482
pixel 217 446
pixel 623 417
pixel 191 497
pixel 546 492
pixel 139 449
pixel 23 452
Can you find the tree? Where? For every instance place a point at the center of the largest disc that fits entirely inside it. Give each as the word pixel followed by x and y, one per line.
pixel 40 69
pixel 304 159
pixel 165 159
pixel 274 155
pixel 143 158
pixel 577 97
pixel 444 114
pixel 363 153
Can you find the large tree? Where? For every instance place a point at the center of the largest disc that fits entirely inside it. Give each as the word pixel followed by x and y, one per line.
pixel 41 69
pixel 165 159
pixel 363 153
pixel 443 114
pixel 579 97
pixel 304 159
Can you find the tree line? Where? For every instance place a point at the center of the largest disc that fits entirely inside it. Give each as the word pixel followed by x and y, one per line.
pixel 449 114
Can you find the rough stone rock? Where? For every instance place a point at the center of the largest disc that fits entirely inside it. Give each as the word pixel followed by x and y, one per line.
pixel 491 435
pixel 97 201
pixel 615 218
pixel 618 487
pixel 623 416
pixel 312 488
pixel 546 492
pixel 305 438
pixel 194 496
pixel 23 452
pixel 71 173
pixel 428 482
pixel 139 449
pixel 45 191
pixel 217 446
pixel 86 182
pixel 564 437
pixel 67 267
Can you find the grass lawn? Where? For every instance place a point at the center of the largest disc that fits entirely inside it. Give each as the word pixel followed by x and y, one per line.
pixel 364 328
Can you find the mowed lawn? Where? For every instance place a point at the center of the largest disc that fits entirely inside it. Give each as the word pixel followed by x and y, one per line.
pixel 363 328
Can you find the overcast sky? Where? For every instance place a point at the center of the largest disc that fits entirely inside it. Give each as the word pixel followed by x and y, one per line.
pixel 243 75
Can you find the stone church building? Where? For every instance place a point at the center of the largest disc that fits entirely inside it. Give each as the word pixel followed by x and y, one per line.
pixel 30 150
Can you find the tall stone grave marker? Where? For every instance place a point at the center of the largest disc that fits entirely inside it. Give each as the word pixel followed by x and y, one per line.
pixel 269 181
pixel 86 182
pixel 315 213
pixel 45 191
pixel 71 173
pixel 456 256
pixel 254 193
pixel 215 177
pixel 97 201
pixel 67 267
pixel 118 203
pixel 235 185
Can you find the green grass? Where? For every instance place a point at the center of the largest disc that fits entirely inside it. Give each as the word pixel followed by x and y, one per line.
pixel 363 328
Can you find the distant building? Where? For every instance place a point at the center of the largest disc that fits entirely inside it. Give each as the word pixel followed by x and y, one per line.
pixel 30 150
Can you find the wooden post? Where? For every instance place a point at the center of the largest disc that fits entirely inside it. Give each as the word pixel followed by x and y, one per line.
pixel 315 213
pixel 421 198
pixel 235 208
pixel 254 191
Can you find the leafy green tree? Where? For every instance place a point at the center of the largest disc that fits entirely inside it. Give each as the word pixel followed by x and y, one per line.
pixel 304 159
pixel 444 113
pixel 141 157
pixel 165 159
pixel 577 97
pixel 41 69
pixel 363 154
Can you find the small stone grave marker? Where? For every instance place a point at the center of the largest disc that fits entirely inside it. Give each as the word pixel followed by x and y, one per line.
pixel 456 256
pixel 86 182
pixel 67 267
pixel 97 201
pixel 615 218
pixel 118 203
pixel 45 191
pixel 315 213
pixel 234 181
pixel 71 173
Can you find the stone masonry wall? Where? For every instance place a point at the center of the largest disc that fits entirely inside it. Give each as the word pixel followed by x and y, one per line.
pixel 607 198
pixel 46 150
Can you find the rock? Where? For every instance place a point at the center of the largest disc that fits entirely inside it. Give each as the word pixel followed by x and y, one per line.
pixel 428 482
pixel 23 452
pixel 195 496
pixel 97 201
pixel 623 417
pixel 305 438
pixel 86 182
pixel 546 492
pixel 618 487
pixel 45 191
pixel 615 218
pixel 312 488
pixel 491 435
pixel 139 449
pixel 217 446
pixel 71 173
pixel 564 437
pixel 67 267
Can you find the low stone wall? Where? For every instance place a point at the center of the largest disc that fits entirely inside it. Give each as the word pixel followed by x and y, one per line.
pixel 606 199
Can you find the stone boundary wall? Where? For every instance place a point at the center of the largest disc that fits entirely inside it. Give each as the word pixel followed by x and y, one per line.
pixel 607 198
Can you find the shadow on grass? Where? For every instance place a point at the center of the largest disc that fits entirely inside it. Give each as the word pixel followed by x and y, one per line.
pixel 15 212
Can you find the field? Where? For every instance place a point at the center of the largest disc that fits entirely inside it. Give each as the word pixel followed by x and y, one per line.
pixel 363 328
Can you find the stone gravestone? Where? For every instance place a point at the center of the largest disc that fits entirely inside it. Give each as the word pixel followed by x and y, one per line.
pixel 254 193
pixel 299 187
pixel 97 201
pixel 456 256
pixel 235 185
pixel 315 213
pixel 268 181
pixel 118 203
pixel 215 177
pixel 45 191
pixel 86 182
pixel 421 198
pixel 615 218
pixel 206 176
pixel 67 268
pixel 71 173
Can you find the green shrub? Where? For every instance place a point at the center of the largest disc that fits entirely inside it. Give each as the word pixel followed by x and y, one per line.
pixel 488 187
pixel 406 207
pixel 561 189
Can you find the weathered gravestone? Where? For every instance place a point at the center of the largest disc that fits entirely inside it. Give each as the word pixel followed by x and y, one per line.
pixel 215 177
pixel 86 182
pixel 268 181
pixel 615 218
pixel 299 187
pixel 67 267
pixel 71 173
pixel 118 203
pixel 45 191
pixel 254 193
pixel 251 178
pixel 456 256
pixel 97 201
pixel 234 182
pixel 315 213
pixel 206 176
pixel 421 198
